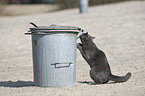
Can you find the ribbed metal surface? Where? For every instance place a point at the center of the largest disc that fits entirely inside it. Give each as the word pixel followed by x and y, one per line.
pixel 54 59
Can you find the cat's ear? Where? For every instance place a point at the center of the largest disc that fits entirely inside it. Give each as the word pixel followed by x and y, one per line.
pixel 93 37
pixel 86 33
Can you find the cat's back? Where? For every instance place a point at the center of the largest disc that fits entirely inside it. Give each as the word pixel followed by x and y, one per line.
pixel 100 57
pixel 100 54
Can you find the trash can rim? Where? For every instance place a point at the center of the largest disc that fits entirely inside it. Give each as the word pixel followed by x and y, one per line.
pixel 55 27
pixel 48 32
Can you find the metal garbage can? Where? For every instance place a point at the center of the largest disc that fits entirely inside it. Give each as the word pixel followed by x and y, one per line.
pixel 83 6
pixel 54 55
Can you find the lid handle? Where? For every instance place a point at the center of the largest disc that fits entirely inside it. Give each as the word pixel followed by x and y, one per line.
pixel 33 24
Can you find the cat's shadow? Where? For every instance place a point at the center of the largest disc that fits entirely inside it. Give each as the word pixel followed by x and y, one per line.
pixel 92 83
pixel 16 84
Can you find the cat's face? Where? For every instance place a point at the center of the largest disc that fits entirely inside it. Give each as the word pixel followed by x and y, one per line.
pixel 86 37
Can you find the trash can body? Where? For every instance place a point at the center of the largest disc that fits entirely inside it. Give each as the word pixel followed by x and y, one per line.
pixel 83 6
pixel 54 55
pixel 54 59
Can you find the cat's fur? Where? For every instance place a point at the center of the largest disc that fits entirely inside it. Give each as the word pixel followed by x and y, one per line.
pixel 100 70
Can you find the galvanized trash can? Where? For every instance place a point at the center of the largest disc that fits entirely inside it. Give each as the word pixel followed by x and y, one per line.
pixel 54 55
pixel 83 6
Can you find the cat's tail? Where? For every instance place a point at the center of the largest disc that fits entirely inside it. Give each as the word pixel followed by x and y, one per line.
pixel 120 78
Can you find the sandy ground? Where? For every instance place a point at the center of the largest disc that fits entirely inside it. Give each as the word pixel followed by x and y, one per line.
pixel 119 31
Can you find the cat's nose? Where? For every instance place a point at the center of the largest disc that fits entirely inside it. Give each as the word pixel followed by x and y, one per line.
pixel 81 33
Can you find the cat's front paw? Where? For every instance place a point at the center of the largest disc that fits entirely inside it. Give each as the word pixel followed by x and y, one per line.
pixel 79 45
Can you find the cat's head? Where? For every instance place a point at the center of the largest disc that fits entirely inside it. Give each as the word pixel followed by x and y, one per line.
pixel 86 37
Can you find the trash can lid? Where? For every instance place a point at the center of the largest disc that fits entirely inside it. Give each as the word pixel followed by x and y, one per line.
pixel 46 30
pixel 53 29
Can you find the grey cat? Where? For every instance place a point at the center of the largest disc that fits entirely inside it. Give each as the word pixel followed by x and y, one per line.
pixel 100 70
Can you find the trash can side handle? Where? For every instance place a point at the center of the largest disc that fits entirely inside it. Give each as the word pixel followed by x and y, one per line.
pixel 59 63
